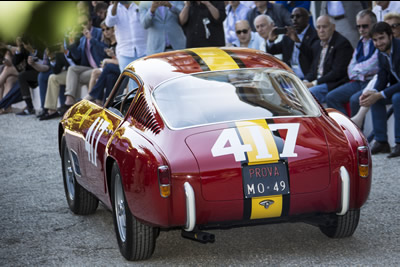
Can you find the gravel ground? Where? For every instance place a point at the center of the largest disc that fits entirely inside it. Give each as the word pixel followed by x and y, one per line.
pixel 37 228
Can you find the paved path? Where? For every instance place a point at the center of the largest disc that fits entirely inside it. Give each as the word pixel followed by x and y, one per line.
pixel 37 228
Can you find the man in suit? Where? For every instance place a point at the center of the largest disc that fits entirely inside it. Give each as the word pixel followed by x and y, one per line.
pixel 383 94
pixel 331 58
pixel 296 45
pixel 161 20
pixel 344 15
pixel 89 51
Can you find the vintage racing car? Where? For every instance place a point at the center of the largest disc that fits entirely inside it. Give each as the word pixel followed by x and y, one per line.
pixel 208 138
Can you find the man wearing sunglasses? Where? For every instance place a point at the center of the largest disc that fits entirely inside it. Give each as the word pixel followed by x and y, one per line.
pixel 362 68
pixel 246 38
pixel 296 45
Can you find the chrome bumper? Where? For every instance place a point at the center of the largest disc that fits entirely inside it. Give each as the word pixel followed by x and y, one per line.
pixel 345 199
pixel 190 208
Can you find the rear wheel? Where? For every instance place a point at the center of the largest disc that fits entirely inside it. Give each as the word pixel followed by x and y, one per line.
pixel 136 241
pixel 342 225
pixel 80 201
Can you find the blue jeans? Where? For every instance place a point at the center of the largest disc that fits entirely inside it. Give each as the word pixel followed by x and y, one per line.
pixel 124 61
pixel 106 81
pixel 13 96
pixel 319 92
pixel 339 96
pixel 379 122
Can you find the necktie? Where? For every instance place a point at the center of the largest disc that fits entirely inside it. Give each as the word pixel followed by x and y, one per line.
pixel 90 58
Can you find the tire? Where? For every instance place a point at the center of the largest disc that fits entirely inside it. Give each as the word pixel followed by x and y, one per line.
pixel 80 201
pixel 136 241
pixel 342 225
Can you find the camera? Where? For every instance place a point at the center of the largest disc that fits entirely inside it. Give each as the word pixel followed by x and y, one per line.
pixel 278 31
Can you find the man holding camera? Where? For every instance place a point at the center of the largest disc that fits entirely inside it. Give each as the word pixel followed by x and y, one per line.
pixel 296 45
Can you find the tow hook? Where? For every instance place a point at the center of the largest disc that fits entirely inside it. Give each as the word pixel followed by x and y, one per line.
pixel 196 235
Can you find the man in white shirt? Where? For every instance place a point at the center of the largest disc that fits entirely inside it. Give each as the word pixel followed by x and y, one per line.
pixel 246 38
pixel 235 11
pixel 130 34
pixel 384 7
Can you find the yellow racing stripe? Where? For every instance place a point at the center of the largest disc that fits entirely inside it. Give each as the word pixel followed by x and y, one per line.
pixel 259 136
pixel 215 58
pixel 259 211
pixel 264 150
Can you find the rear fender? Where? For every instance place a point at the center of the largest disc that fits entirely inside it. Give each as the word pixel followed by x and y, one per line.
pixel 359 186
pixel 138 162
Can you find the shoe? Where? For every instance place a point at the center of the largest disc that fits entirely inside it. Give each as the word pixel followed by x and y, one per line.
pixel 5 111
pixel 395 152
pixel 42 113
pixel 63 109
pixel 379 147
pixel 89 97
pixel 50 116
pixel 26 111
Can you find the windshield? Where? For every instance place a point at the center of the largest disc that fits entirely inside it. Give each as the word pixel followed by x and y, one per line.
pixel 242 94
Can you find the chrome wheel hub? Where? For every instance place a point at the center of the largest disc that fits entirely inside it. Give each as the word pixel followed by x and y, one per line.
pixel 119 206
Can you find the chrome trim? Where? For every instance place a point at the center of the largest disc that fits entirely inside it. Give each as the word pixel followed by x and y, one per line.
pixel 345 199
pixel 190 208
pixel 73 162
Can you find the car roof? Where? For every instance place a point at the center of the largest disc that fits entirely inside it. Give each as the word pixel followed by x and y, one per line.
pixel 157 68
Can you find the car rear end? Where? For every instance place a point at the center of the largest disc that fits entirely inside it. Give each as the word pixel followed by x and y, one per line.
pixel 257 149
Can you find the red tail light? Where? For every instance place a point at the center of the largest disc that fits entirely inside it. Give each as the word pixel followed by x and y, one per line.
pixel 363 161
pixel 164 181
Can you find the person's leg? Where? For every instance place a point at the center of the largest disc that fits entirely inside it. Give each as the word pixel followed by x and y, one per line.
pixel 43 78
pixel 61 96
pixel 93 78
pixel 10 81
pixel 319 92
pixel 9 74
pixel 13 96
pixel 24 78
pixel 355 102
pixel 124 61
pixel 378 112
pixel 53 90
pixel 112 78
pixel 338 97
pixel 396 113
pixel 73 83
pixel 56 81
pixel 98 90
pixel 84 79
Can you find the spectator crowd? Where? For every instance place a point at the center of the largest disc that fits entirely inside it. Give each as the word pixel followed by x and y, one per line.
pixel 348 56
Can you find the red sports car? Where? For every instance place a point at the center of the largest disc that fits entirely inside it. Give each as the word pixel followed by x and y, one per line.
pixel 209 138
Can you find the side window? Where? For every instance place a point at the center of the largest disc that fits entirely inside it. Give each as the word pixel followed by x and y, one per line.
pixel 122 95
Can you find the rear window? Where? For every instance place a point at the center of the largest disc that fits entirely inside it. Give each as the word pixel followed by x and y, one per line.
pixel 223 96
